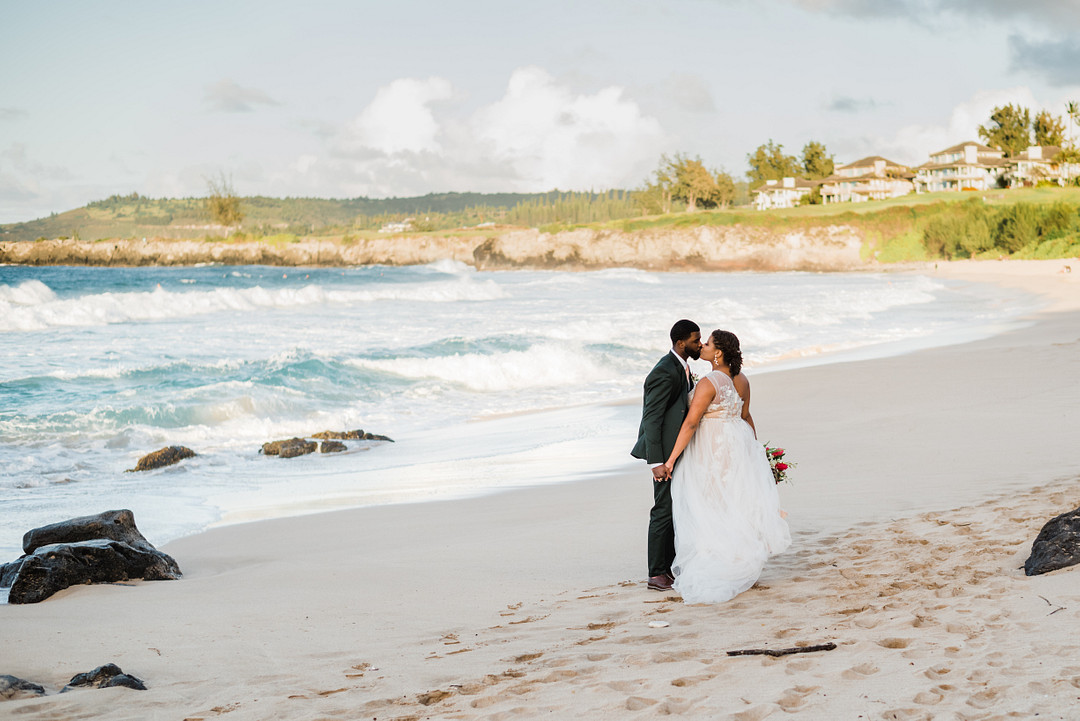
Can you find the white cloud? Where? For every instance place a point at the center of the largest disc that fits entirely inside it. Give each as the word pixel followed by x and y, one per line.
pixel 400 117
pixel 553 138
pixel 538 136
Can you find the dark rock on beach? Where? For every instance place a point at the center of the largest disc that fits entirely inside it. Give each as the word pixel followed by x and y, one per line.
pixel 13 688
pixel 340 435
pixel 113 525
pixel 53 568
pixel 330 443
pixel 357 435
pixel 165 457
pixel 105 548
pixel 1056 546
pixel 332 447
pixel 289 448
pixel 105 676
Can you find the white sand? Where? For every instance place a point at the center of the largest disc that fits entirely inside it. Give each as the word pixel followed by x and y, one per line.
pixel 922 481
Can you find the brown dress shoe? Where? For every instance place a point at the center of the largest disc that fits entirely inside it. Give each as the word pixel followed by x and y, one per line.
pixel 660 583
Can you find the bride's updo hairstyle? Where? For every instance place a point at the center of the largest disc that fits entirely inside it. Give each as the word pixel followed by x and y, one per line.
pixel 728 344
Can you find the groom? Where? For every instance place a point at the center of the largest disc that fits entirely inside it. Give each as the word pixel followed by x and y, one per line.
pixel 664 408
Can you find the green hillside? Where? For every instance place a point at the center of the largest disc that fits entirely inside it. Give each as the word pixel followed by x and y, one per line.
pixel 133 216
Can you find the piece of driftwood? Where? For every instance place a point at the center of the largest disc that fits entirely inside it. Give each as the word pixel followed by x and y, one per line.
pixel 782 651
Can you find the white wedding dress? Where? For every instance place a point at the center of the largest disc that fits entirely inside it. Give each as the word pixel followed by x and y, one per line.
pixel 724 504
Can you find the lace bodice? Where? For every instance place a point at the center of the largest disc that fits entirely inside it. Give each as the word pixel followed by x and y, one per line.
pixel 727 403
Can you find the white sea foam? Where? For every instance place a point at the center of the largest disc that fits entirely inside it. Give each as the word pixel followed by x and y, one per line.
pixel 452 267
pixel 542 366
pixel 32 306
pixel 30 292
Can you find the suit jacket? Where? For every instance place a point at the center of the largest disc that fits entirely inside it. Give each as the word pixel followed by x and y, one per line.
pixel 664 409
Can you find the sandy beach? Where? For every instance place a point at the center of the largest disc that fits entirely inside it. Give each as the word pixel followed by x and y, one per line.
pixel 922 481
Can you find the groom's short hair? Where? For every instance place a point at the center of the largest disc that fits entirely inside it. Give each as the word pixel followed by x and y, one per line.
pixel 682 330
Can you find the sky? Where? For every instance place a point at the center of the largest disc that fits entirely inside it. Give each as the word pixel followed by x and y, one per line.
pixel 340 99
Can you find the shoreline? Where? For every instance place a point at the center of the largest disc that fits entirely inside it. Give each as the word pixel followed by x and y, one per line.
pixel 922 479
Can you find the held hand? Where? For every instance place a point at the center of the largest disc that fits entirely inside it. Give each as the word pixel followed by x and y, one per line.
pixel 661 473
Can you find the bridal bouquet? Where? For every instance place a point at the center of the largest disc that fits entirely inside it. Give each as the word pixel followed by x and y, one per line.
pixel 777 463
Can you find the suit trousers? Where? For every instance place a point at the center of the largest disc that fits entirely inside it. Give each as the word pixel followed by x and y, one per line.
pixel 661 530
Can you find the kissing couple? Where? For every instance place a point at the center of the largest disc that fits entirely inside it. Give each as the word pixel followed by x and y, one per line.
pixel 716 514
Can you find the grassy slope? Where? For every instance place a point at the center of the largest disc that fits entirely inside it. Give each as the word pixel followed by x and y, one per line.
pixel 892 228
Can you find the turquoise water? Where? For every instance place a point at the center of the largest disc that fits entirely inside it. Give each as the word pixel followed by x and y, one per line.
pixel 493 372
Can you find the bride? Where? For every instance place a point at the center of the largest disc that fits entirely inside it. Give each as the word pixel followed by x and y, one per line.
pixel 723 497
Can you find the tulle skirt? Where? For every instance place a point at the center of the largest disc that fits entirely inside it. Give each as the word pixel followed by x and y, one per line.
pixel 726 511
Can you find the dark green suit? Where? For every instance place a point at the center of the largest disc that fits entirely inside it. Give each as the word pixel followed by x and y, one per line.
pixel 664 408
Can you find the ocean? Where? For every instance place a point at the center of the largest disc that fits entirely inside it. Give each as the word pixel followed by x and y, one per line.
pixel 485 380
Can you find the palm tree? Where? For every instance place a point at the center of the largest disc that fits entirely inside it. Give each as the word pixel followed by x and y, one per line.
pixel 1072 109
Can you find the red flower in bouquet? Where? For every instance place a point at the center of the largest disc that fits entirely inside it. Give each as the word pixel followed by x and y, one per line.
pixel 777 464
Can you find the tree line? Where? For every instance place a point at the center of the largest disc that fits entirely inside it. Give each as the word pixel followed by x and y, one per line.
pixel 1012 129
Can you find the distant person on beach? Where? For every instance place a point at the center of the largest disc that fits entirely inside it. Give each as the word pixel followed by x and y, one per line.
pixel 724 503
pixel 664 407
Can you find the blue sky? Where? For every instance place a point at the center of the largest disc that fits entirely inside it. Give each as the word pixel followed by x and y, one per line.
pixel 341 99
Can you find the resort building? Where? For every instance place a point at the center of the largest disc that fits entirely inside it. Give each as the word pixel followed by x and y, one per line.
pixel 967 166
pixel 784 193
pixel 1037 164
pixel 872 178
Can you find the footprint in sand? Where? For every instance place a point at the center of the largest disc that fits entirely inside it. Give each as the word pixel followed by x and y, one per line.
pixel 562 674
pixel 937 672
pixel 485 701
pixel 636 703
pixel 672 656
pixel 432 697
pixel 930 698
pixel 860 671
pixel 796 698
pixel 673 707
pixel 754 714
pixel 986 699
pixel 894 642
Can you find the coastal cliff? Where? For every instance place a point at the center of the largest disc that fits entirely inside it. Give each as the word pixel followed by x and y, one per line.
pixel 734 247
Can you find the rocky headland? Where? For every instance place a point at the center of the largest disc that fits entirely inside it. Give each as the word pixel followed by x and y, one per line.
pixel 733 247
